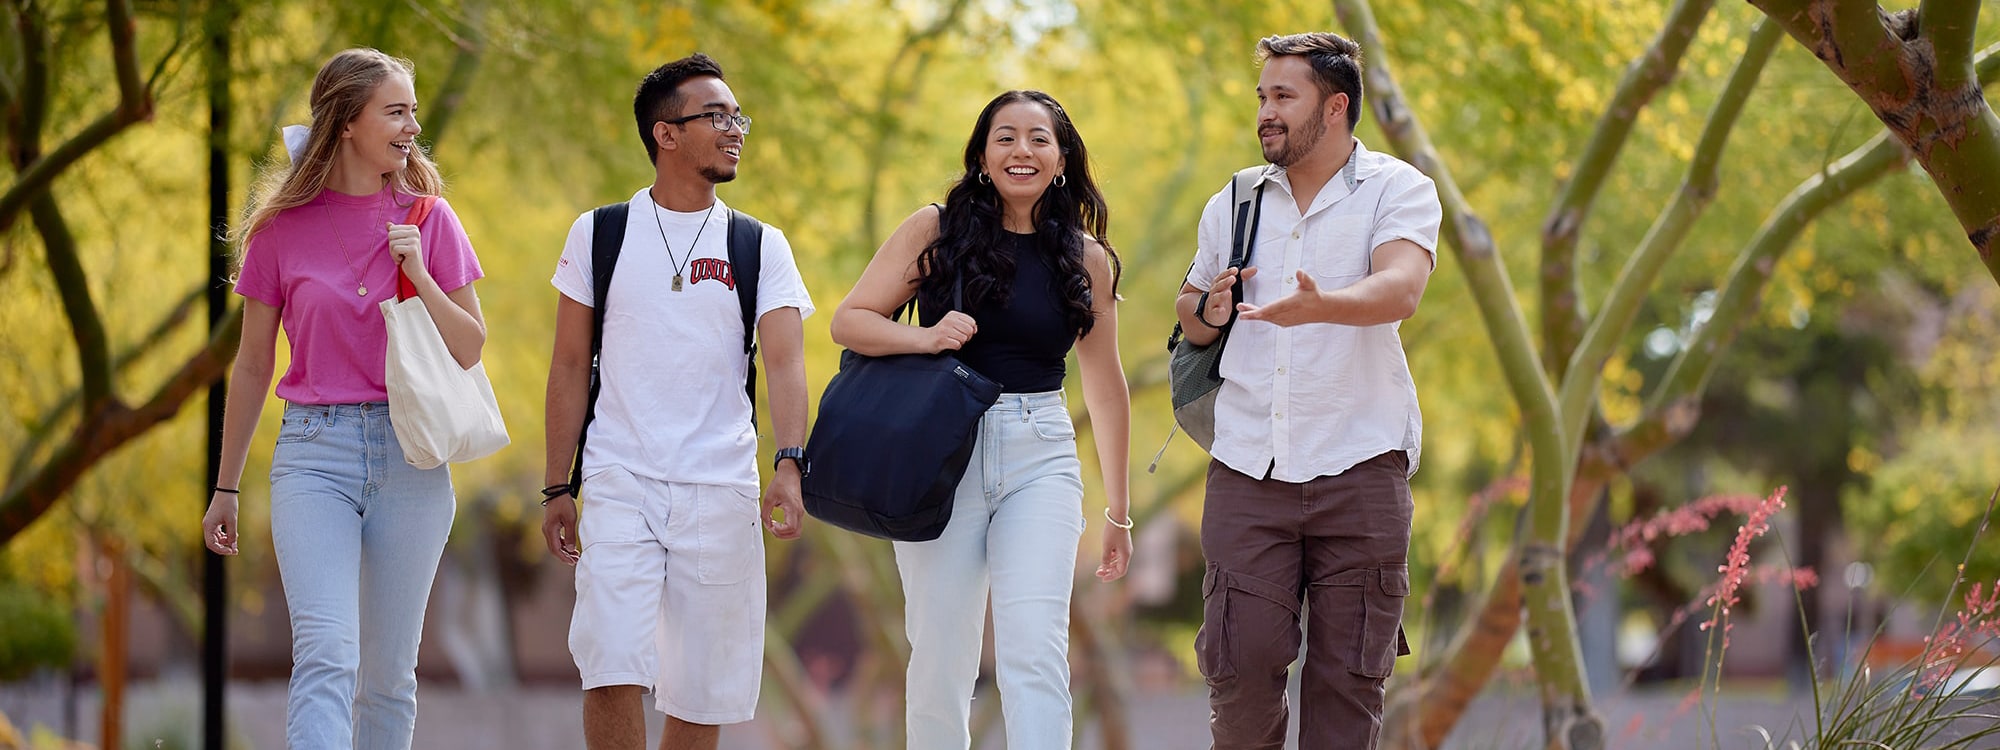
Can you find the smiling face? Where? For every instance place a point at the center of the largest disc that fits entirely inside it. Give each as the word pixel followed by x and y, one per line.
pixel 380 139
pixel 1293 117
pixel 1022 156
pixel 696 145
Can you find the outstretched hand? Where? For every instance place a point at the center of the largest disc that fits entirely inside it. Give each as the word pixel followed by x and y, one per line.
pixel 1301 306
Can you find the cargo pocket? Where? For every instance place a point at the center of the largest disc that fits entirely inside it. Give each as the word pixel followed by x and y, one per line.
pixel 1247 624
pixel 1381 638
pixel 1211 654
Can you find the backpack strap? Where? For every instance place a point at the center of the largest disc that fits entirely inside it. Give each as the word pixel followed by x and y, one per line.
pixel 1247 192
pixel 1246 197
pixel 746 259
pixel 607 238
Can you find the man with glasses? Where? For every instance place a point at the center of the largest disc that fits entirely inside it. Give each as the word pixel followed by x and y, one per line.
pixel 668 554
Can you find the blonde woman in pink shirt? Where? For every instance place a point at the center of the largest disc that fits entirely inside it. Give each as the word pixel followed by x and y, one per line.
pixel 357 530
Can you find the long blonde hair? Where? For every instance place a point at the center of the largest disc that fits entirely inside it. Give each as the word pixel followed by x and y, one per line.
pixel 340 92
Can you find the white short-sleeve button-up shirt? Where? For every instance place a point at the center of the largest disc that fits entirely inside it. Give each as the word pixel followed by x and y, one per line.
pixel 1314 400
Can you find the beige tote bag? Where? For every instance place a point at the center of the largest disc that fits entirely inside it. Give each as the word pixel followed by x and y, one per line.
pixel 442 413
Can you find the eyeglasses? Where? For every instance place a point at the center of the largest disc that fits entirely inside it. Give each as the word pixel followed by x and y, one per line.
pixel 718 120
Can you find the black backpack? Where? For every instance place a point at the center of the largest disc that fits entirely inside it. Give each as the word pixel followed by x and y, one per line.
pixel 746 241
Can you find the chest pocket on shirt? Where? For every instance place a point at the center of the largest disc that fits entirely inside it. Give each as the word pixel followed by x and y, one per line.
pixel 1340 249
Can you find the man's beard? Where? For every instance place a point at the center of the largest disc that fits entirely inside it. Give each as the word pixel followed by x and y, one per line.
pixel 716 176
pixel 1297 143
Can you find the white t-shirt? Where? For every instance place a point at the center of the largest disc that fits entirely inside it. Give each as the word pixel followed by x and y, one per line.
pixel 1314 400
pixel 672 406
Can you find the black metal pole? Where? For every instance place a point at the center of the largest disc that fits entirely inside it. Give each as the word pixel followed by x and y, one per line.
pixel 215 577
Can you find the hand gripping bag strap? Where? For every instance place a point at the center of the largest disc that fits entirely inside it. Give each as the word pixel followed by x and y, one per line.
pixel 419 211
pixel 1196 371
pixel 893 438
pixel 441 412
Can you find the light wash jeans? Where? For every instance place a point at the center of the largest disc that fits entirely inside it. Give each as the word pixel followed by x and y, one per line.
pixel 1015 523
pixel 358 532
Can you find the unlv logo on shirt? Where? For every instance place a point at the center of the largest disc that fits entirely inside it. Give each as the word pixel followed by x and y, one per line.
pixel 712 268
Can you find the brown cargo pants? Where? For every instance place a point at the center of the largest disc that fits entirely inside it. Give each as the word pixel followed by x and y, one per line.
pixel 1340 544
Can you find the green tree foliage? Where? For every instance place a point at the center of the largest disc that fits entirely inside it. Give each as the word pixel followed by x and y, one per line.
pixel 861 114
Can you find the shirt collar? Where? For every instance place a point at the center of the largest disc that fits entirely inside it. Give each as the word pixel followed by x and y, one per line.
pixel 1361 165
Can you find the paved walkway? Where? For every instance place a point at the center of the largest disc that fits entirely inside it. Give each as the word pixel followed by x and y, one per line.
pixel 539 718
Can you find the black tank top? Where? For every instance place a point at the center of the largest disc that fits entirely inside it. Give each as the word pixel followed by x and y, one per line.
pixel 1022 344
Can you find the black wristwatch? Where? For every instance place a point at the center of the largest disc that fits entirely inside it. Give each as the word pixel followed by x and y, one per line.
pixel 798 457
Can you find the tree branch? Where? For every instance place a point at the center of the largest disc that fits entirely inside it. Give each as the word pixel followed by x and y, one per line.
pixel 1674 407
pixel 135 104
pixel 132 97
pixel 45 425
pixel 1687 377
pixel 450 99
pixel 1562 304
pixel 1568 719
pixel 109 426
pixel 1895 67
pixel 915 42
pixel 1669 231
pixel 1948 25
pixel 93 353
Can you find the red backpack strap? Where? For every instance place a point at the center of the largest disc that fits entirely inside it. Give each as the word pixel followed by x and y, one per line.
pixel 419 211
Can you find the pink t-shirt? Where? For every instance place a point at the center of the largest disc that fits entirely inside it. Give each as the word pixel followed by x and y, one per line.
pixel 308 262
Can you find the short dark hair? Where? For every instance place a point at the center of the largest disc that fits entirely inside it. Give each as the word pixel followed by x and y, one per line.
pixel 1336 64
pixel 659 96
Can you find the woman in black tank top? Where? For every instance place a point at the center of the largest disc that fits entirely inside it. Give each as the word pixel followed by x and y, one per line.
pixel 1010 274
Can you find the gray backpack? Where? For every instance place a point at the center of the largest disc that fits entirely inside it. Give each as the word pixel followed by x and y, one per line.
pixel 1197 370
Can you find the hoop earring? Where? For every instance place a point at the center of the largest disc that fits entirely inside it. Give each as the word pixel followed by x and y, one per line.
pixel 984 180
pixel 1061 180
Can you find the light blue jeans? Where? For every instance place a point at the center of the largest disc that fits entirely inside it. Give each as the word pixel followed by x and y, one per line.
pixel 1014 528
pixel 358 532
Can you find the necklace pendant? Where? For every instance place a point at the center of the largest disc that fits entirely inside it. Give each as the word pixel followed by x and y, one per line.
pixel 677 282
pixel 361 290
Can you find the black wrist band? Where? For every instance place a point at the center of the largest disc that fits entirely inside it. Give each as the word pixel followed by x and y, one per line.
pixel 1201 312
pixel 222 489
pixel 554 491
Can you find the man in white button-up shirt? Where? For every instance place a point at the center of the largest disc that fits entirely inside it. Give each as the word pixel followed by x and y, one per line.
pixel 1317 429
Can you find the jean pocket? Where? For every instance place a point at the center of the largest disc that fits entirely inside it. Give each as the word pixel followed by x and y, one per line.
pixel 1053 425
pixel 727 534
pixel 302 427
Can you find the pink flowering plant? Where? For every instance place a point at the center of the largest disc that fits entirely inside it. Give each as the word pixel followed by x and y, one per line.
pixel 1947 698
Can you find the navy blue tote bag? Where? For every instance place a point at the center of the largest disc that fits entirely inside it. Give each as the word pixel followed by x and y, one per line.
pixel 891 440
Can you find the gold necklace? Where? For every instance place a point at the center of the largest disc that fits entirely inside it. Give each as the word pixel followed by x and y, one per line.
pixel 333 227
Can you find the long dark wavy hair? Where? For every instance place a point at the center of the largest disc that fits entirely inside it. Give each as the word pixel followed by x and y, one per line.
pixel 971 249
